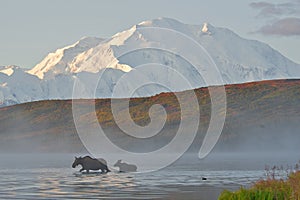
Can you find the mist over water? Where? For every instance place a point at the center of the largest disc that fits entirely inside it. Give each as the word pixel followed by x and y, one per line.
pixel 190 161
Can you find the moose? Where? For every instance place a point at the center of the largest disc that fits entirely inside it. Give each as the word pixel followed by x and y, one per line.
pixel 124 167
pixel 89 163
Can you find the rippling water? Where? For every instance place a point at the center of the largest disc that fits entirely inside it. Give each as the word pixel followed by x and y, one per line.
pixel 54 178
pixel 41 183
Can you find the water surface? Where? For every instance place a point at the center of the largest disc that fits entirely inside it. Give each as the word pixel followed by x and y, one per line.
pixel 51 177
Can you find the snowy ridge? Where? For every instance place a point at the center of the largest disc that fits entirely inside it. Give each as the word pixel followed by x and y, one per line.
pixel 59 61
pixel 239 60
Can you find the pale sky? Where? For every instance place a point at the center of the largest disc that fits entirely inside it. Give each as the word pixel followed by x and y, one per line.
pixel 30 29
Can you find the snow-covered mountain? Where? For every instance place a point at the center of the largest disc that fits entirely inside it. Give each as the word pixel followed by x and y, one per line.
pixel 237 59
pixel 59 62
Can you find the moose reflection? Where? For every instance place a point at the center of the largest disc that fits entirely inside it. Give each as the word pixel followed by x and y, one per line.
pixel 125 167
pixel 89 163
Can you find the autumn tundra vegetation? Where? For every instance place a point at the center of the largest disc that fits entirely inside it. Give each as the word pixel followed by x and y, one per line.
pixel 280 184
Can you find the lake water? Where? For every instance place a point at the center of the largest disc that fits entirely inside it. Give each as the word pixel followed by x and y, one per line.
pixel 51 177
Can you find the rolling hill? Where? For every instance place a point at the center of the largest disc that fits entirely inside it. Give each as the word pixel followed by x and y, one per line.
pixel 260 116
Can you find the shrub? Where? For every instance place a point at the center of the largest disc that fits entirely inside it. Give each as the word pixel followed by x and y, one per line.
pixel 271 188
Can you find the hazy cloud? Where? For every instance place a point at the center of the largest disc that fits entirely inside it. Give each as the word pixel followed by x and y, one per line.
pixel 284 27
pixel 282 18
pixel 267 9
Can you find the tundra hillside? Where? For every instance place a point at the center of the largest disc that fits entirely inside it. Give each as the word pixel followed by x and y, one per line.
pixel 257 113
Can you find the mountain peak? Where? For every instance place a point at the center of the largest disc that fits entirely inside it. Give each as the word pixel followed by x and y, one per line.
pixel 58 61
pixel 92 54
pixel 119 38
pixel 88 41
pixel 161 21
